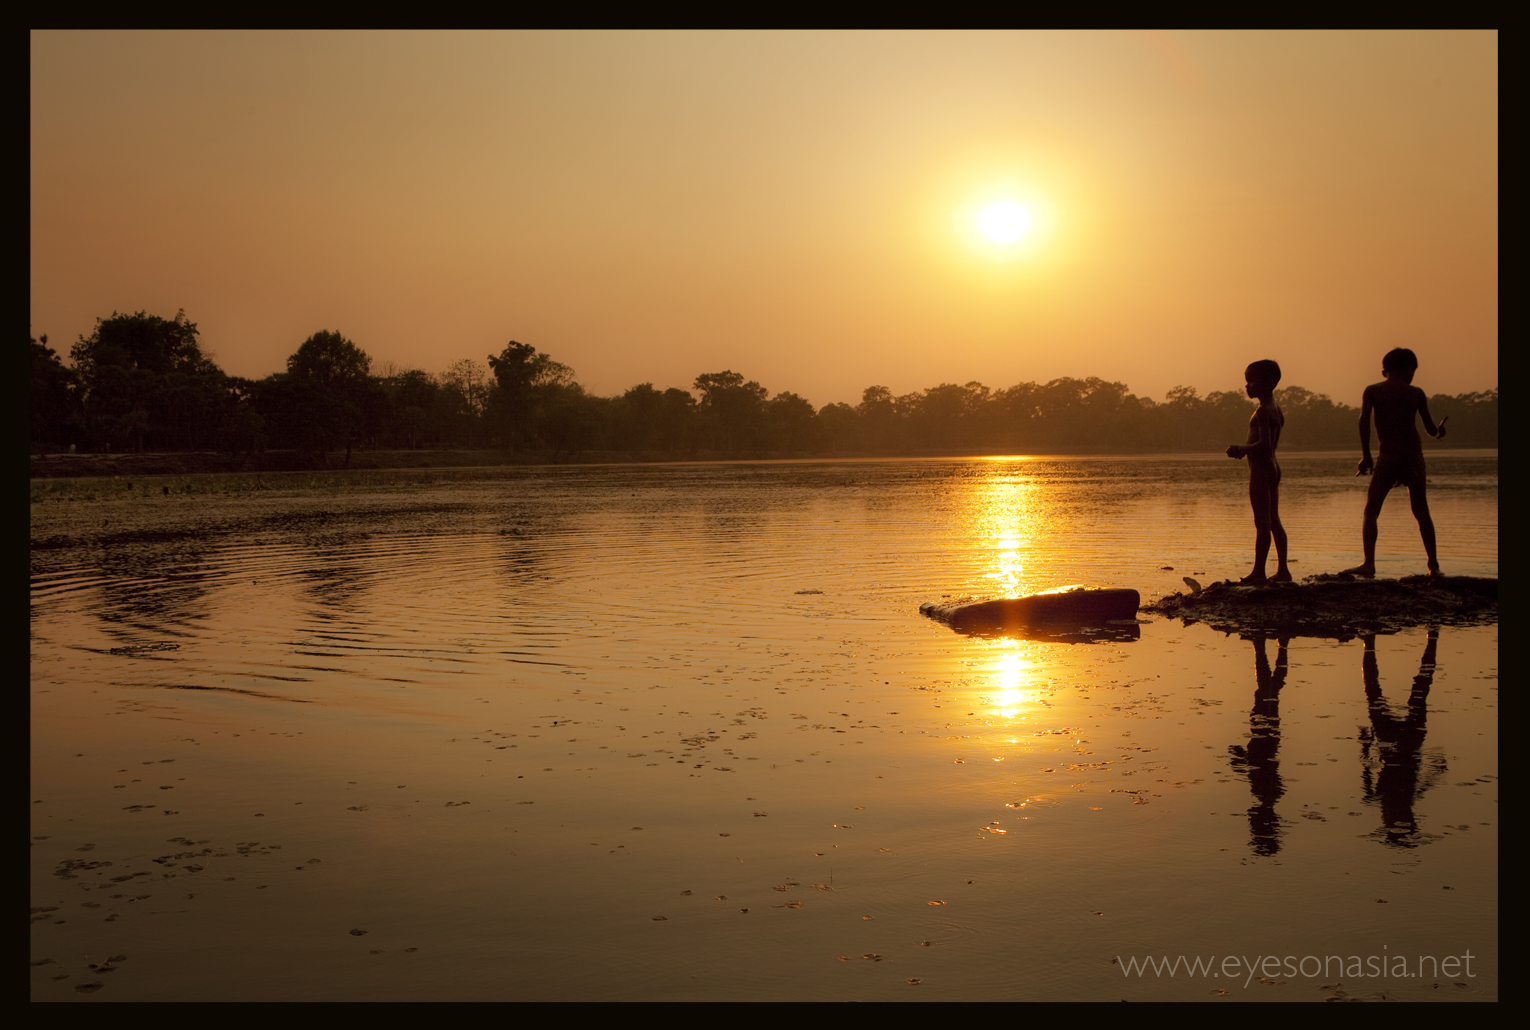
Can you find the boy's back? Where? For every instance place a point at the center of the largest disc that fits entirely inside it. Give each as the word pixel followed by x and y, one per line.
pixel 1396 406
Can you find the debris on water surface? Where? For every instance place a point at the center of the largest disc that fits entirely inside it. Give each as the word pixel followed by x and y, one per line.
pixel 146 648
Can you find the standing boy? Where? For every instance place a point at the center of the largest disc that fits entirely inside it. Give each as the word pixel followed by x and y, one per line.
pixel 1395 401
pixel 1263 471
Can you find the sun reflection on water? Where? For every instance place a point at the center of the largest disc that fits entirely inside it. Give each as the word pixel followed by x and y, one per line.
pixel 1013 677
pixel 1006 516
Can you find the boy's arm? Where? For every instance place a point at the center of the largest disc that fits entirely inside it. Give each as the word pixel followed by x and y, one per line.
pixel 1257 434
pixel 1263 433
pixel 1436 431
pixel 1366 464
pixel 1237 451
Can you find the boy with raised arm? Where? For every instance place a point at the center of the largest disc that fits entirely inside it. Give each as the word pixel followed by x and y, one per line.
pixel 1263 471
pixel 1395 401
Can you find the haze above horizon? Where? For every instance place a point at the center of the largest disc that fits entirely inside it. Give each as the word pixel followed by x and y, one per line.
pixel 818 211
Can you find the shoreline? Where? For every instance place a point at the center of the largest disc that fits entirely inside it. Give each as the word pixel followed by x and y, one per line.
pixel 173 463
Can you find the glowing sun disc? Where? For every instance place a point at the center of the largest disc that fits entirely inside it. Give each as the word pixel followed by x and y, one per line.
pixel 1005 221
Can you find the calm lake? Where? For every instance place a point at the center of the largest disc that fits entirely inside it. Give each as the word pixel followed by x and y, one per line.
pixel 679 732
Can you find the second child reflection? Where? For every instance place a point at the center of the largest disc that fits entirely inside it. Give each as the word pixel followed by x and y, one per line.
pixel 1395 768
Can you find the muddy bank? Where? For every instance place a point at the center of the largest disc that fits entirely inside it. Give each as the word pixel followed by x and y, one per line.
pixel 1336 606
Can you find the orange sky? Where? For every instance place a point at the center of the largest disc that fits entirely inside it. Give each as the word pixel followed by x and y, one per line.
pixel 651 206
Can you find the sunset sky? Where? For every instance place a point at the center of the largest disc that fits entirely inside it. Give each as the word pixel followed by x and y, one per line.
pixel 798 207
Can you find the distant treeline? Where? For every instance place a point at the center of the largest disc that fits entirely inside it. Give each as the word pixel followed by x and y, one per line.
pixel 143 383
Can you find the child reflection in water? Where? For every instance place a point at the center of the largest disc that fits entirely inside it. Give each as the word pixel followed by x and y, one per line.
pixel 1395 768
pixel 1257 760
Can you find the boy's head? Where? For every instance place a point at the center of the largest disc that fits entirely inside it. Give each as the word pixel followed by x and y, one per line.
pixel 1262 373
pixel 1399 360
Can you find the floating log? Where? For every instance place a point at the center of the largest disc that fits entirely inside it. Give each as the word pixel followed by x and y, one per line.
pixel 1062 608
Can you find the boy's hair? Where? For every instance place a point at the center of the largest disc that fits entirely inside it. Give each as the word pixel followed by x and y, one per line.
pixel 1265 371
pixel 1399 359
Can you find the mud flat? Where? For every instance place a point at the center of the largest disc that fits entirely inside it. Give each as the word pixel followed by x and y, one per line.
pixel 1338 606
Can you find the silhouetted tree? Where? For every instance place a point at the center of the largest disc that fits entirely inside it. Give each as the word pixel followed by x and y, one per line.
pixel 732 410
pixel 839 428
pixel 244 432
pixel 413 409
pixel 567 420
pixel 519 370
pixel 52 400
pixel 465 387
pixel 791 424
pixel 878 419
pixel 1183 408
pixel 328 392
pixel 638 418
pixel 145 378
pixel 677 421
pixel 1473 417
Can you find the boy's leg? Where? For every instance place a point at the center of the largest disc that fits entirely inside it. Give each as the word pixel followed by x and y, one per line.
pixel 1259 500
pixel 1373 501
pixel 1419 501
pixel 1278 533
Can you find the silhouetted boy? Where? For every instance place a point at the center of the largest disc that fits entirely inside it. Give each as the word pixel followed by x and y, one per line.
pixel 1263 471
pixel 1395 401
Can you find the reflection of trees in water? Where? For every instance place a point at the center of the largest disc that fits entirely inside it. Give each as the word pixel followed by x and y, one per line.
pixel 153 587
pixel 533 544
pixel 335 581
pixel 523 563
pixel 1258 758
pixel 730 519
pixel 1395 768
pixel 336 588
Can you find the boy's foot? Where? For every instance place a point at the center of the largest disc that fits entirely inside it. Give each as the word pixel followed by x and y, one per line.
pixel 1254 579
pixel 1283 576
pixel 1363 571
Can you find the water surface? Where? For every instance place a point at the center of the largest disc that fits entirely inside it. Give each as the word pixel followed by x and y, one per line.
pixel 679 732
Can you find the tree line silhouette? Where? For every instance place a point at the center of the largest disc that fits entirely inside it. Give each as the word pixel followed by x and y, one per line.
pixel 143 383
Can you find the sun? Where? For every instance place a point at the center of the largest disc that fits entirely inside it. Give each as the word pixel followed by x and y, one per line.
pixel 1005 221
pixel 1004 225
